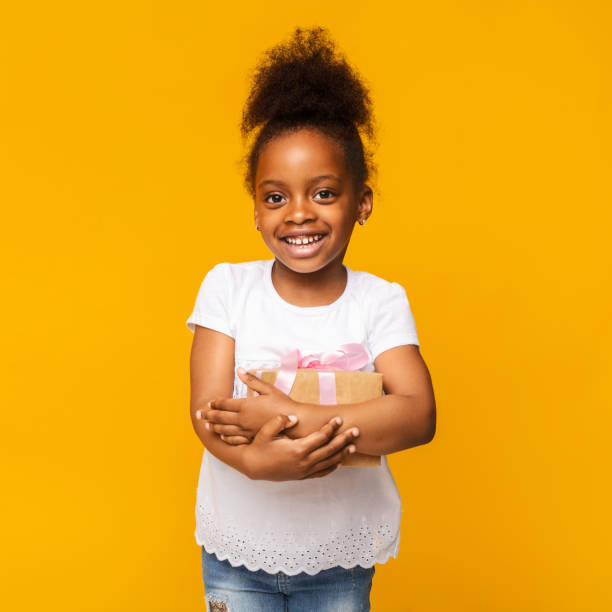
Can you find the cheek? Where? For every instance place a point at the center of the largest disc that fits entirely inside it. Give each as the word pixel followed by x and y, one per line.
pixel 267 235
pixel 266 230
pixel 344 224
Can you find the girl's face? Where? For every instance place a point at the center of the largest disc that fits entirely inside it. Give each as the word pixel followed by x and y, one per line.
pixel 304 192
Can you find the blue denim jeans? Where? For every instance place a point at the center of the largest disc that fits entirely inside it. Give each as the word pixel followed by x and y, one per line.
pixel 238 589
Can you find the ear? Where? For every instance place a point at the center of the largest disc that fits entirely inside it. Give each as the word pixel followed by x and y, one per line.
pixel 364 208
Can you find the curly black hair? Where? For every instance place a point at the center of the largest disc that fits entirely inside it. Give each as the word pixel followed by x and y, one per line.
pixel 302 83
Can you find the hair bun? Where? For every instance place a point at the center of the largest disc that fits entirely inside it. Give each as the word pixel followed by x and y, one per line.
pixel 306 79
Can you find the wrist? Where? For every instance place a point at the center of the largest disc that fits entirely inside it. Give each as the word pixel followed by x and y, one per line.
pixel 304 426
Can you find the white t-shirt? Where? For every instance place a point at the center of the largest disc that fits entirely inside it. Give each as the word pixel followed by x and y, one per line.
pixel 351 516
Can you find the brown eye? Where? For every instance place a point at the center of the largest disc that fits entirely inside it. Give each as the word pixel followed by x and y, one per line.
pixel 273 195
pixel 331 193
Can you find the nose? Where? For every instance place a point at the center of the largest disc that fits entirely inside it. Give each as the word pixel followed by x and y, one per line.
pixel 299 210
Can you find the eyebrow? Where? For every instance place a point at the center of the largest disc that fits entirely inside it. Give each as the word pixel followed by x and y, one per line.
pixel 312 180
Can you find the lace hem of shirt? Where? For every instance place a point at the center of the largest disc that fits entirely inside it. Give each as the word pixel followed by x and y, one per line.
pixel 347 549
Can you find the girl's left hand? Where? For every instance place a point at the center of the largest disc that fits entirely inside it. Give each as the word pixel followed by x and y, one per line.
pixel 239 419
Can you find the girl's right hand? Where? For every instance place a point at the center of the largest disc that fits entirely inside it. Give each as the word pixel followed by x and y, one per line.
pixel 273 456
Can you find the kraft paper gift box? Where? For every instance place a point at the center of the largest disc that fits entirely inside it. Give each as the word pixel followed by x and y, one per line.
pixel 351 387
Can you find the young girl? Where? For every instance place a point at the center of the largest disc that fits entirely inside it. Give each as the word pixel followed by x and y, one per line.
pixel 280 524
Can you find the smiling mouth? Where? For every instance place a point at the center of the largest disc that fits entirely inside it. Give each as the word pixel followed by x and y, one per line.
pixel 306 245
pixel 303 240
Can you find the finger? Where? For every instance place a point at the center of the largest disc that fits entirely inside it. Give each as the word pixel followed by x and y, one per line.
pixel 338 443
pixel 320 437
pixel 321 473
pixel 235 440
pixel 222 417
pixel 274 426
pixel 334 459
pixel 229 404
pixel 228 430
pixel 257 384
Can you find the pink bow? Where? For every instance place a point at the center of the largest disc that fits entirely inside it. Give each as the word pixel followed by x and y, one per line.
pixel 350 356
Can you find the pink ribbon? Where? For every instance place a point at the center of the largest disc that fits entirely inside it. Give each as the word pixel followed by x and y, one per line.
pixel 350 356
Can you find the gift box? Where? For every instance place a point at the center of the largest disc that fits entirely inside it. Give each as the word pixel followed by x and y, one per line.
pixel 327 378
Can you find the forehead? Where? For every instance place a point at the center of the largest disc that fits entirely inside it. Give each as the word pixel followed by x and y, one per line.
pixel 301 154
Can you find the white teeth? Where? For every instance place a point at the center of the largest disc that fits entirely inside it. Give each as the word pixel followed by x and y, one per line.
pixel 304 240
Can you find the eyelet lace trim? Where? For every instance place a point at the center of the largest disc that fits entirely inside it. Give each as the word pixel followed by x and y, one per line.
pixel 281 552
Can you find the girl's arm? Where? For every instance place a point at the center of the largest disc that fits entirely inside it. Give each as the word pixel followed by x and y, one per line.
pixel 271 456
pixel 211 374
pixel 403 418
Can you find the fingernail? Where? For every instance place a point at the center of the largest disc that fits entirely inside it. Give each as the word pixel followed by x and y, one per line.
pixel 198 414
pixel 209 405
pixel 338 420
pixel 292 418
pixel 207 426
pixel 351 449
pixel 222 437
pixel 241 370
pixel 355 431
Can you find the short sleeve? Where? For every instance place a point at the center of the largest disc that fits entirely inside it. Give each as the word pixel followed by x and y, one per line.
pixel 391 321
pixel 211 307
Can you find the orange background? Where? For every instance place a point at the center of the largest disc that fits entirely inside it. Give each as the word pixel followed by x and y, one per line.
pixel 121 187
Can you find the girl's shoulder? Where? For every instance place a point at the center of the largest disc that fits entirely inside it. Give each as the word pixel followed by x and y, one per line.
pixel 370 285
pixel 240 272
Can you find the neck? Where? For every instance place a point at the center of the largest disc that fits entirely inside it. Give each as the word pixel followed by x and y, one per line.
pixel 317 288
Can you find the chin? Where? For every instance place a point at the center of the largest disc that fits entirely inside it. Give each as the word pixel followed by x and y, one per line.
pixel 298 265
pixel 301 266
